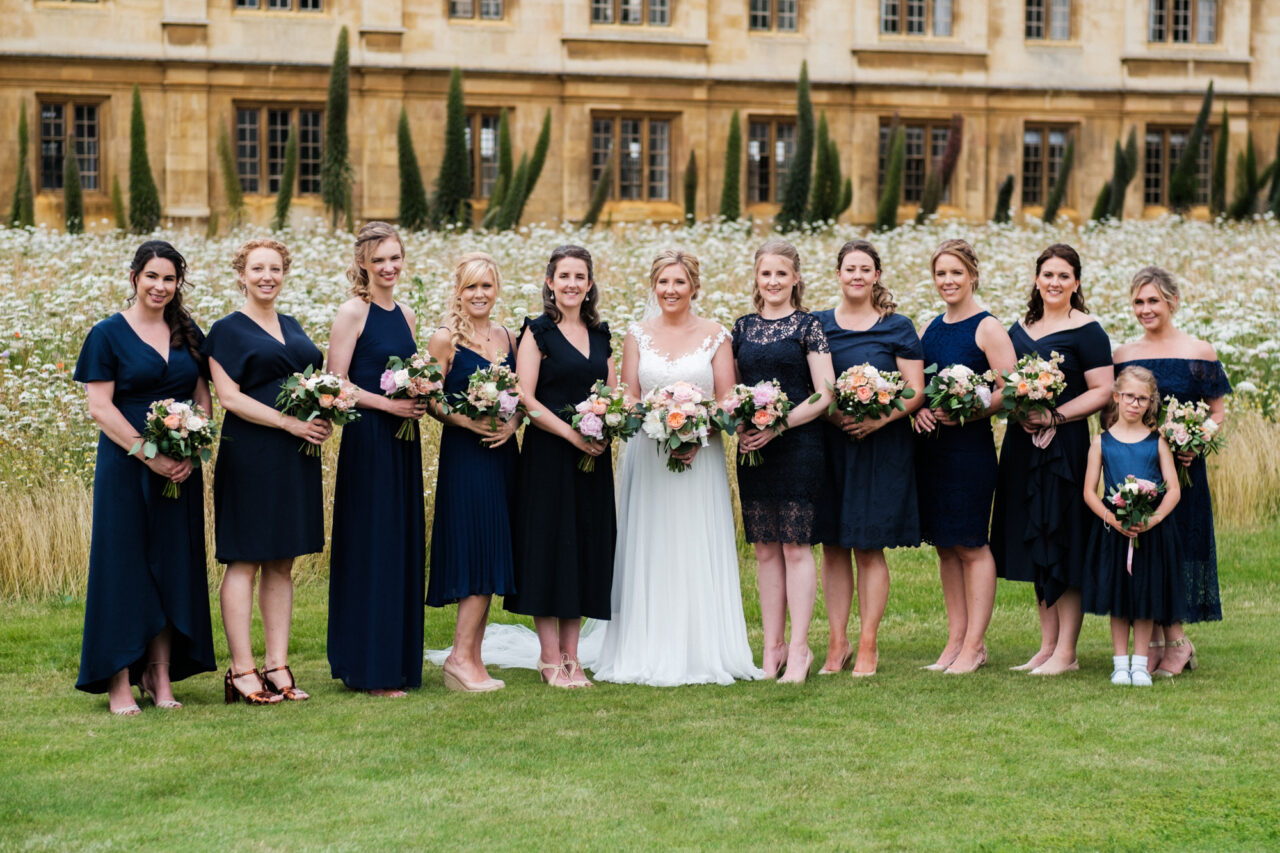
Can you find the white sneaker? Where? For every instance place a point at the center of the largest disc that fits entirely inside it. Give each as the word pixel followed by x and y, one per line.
pixel 1123 677
pixel 1138 677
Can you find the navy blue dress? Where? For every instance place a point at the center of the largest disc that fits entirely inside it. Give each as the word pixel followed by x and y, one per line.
pixel 956 465
pixel 377 564
pixel 1039 521
pixel 267 501
pixel 565 525
pixel 1154 589
pixel 875 487
pixel 1190 380
pixel 147 557
pixel 475 497
pixel 784 498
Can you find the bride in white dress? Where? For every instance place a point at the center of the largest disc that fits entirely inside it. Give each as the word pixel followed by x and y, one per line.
pixel 677 606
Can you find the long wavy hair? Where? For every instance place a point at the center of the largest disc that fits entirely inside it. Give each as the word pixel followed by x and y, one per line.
pixel 367 242
pixel 472 267
pixel 687 261
pixel 1151 416
pixel 782 249
pixel 1161 280
pixel 1035 303
pixel 182 329
pixel 881 298
pixel 590 311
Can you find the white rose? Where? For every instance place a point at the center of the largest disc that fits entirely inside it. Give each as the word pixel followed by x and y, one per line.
pixel 489 390
pixel 653 426
pixel 612 419
pixel 401 377
pixel 194 423
pixel 984 395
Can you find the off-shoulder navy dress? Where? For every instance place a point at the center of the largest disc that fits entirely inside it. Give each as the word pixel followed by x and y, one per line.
pixel 1153 589
pixel 565 524
pixel 475 501
pixel 147 556
pixel 1039 521
pixel 377 564
pixel 1190 380
pixel 267 498
pixel 956 465
pixel 784 498
pixel 875 485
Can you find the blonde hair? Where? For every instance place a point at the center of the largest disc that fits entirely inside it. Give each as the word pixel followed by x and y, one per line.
pixel 782 249
pixel 241 258
pixel 671 257
pixel 471 268
pixel 1151 416
pixel 961 251
pixel 367 241
pixel 1161 280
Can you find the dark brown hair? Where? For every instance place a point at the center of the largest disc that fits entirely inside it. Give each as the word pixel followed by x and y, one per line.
pixel 589 312
pixel 182 329
pixel 1035 304
pixel 881 298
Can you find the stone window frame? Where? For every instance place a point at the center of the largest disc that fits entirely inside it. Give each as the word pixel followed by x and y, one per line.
pixel 1047 164
pixel 774 173
pixel 632 13
pixel 773 16
pixel 917 166
pixel 258 147
pixel 650 188
pixel 918 18
pixel 51 164
pixel 1160 155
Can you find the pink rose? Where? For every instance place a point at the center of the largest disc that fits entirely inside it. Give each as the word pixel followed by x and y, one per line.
pixel 507 403
pixel 388 381
pixel 591 426
pixel 865 393
pixel 763 395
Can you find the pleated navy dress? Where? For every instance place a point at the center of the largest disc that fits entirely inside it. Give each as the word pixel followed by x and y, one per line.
pixel 267 499
pixel 147 556
pixel 377 564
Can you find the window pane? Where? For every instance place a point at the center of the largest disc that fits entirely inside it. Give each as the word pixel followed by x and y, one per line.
pixel 1057 148
pixel 86 118
pixel 758 15
pixel 915 17
pixel 1157 20
pixel 631 11
pixel 659 160
pixel 787 15
pixel 601 145
pixel 1204 168
pixel 491 10
pixel 630 162
pixel 247 151
pixel 942 17
pixel 659 13
pixel 1153 169
pixel 53 140
pixel 461 8
pixel 280 4
pixel 1032 166
pixel 1035 19
pixel 310 130
pixel 602 11
pixel 913 174
pixel 309 5
pixel 784 151
pixel 1207 21
pixel 277 138
pixel 1060 19
pixel 758 157
pixel 488 154
pixel 246 4
pixel 890 16
pixel 1182 21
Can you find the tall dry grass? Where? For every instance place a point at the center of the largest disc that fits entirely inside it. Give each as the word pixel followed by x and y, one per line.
pixel 1244 477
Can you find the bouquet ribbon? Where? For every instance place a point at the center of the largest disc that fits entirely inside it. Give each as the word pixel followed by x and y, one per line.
pixel 1128 559
pixel 1042 437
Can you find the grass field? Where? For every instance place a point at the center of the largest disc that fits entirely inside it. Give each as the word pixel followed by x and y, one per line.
pixel 905 760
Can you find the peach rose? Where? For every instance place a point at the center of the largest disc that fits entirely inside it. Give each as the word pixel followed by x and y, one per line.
pixel 1045 379
pixel 675 419
pixel 883 398
pixel 326 401
pixel 858 380
pixel 865 393
pixel 1023 389
pixel 172 421
pixel 761 419
pixel 599 406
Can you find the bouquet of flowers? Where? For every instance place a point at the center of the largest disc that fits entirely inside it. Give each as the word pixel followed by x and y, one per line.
pixel 178 430
pixel 602 417
pixel 493 392
pixel 959 391
pixel 760 406
pixel 1133 501
pixel 676 417
pixel 864 392
pixel 1032 385
pixel 310 394
pixel 1188 427
pixel 420 376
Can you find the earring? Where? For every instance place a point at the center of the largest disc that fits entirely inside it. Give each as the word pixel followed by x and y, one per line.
pixel 587 298
pixel 553 298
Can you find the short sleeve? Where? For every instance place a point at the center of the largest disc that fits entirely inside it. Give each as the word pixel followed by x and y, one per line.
pixel 739 327
pixel 538 327
pixel 1211 376
pixel 98 361
pixel 906 343
pixel 1094 347
pixel 812 338
pixel 603 329
pixel 226 345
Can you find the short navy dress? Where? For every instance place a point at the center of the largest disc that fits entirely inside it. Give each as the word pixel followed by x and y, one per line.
pixel 377 564
pixel 1039 521
pixel 875 487
pixel 267 501
pixel 1153 590
pixel 475 498
pixel 956 465
pixel 147 557
pixel 1191 380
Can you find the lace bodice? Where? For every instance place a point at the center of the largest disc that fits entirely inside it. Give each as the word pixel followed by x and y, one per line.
pixel 657 370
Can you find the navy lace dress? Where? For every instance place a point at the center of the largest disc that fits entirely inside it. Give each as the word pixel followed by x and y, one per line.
pixel 875 487
pixel 377 564
pixel 565 527
pixel 1153 589
pixel 475 503
pixel 1039 521
pixel 1192 379
pixel 782 497
pixel 146 557
pixel 956 465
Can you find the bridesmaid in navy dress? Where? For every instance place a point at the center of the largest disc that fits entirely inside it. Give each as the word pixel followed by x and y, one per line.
pixel 785 499
pixel 565 527
pixel 266 492
pixel 1039 522
pixel 956 463
pixel 147 606
pixel 1187 368
pixel 872 460
pixel 377 564
pixel 471 533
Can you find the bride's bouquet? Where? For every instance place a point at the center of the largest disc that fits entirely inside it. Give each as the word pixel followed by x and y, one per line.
pixel 760 406
pixel 493 392
pixel 310 394
pixel 420 376
pixel 677 416
pixel 603 416
pixel 1188 427
pixel 178 430
pixel 959 391
pixel 864 392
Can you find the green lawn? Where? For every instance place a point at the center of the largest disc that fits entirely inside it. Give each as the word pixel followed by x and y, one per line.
pixel 905 760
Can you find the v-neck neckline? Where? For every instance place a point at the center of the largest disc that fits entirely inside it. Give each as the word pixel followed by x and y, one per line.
pixel 586 356
pixel 163 357
pixel 264 331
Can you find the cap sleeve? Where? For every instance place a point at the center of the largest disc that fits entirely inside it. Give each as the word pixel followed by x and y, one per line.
pixel 812 338
pixel 225 344
pixel 1212 378
pixel 539 327
pixel 98 361
pixel 1095 347
pixel 906 343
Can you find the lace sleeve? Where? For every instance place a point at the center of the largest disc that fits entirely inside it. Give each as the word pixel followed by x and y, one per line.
pixel 812 338
pixel 739 328
pixel 1211 379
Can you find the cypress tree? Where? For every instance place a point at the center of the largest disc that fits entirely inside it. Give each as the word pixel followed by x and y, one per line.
pixel 22 212
pixel 230 177
pixel 1273 195
pixel 846 197
pixel 284 196
pixel 509 212
pixel 506 168
pixel 1248 182
pixel 1119 183
pixel 498 197
pixel 335 169
pixel 452 203
pixel 72 192
pixel 837 181
pixel 1183 181
pixel 1004 196
pixel 731 192
pixel 599 194
pixel 414 213
pixel 691 189
pixel 887 210
pixel 1059 190
pixel 825 194
pixel 117 204
pixel 1102 204
pixel 536 163
pixel 939 176
pixel 144 198
pixel 795 195
pixel 1218 181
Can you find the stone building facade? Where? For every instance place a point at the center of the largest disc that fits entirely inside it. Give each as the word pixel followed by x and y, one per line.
pixel 646 82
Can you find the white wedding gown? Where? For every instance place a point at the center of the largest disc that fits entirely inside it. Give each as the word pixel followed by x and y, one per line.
pixel 677 606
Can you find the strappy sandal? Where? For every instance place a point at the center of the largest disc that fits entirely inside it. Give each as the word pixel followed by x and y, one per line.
pixel 571 668
pixel 290 691
pixel 148 693
pixel 233 694
pixel 557 676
